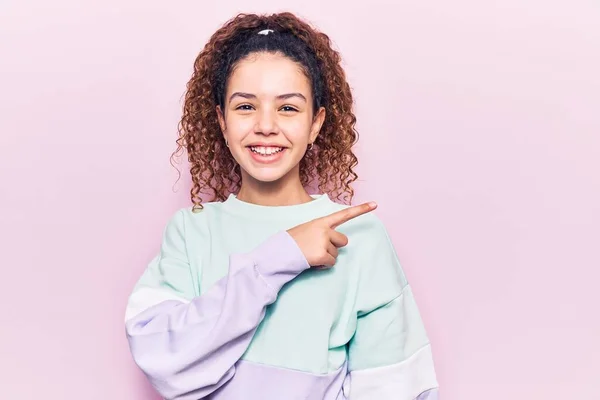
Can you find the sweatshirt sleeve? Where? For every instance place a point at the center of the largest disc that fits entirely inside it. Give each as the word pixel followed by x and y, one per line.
pixel 188 345
pixel 389 355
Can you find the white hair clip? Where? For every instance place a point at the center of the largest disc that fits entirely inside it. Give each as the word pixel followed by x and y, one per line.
pixel 265 31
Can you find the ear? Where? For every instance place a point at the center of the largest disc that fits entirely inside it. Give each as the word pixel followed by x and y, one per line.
pixel 221 118
pixel 317 124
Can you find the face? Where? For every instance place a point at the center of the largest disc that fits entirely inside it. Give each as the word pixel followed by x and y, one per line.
pixel 268 118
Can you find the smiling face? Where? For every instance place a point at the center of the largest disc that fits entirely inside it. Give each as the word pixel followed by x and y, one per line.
pixel 268 118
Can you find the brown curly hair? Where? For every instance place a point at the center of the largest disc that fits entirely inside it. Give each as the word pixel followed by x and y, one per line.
pixel 213 169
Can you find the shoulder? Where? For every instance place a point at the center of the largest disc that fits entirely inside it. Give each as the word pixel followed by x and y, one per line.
pixel 188 220
pixel 372 253
pixel 369 224
pixel 368 236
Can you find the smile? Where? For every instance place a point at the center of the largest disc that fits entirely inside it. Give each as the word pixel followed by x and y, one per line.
pixel 266 151
pixel 266 154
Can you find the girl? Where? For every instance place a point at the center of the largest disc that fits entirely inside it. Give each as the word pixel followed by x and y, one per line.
pixel 268 292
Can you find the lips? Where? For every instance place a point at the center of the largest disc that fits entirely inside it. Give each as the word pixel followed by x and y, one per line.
pixel 266 150
pixel 266 153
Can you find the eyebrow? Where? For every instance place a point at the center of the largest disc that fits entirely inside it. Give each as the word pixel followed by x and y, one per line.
pixel 280 97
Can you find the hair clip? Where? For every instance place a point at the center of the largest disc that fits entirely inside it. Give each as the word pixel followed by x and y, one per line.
pixel 265 31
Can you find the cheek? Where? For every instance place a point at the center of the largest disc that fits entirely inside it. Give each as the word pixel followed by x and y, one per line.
pixel 238 127
pixel 296 129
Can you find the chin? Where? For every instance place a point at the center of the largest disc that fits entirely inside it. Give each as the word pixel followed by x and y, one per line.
pixel 268 169
pixel 265 176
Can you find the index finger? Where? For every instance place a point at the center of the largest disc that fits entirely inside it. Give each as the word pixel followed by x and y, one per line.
pixel 339 217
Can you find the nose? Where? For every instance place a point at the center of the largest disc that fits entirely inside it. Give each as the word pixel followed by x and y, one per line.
pixel 266 123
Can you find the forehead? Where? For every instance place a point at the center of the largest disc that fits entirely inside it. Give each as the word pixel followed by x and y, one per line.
pixel 268 74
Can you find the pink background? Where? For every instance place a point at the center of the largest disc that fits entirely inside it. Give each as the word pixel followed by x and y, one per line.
pixel 480 139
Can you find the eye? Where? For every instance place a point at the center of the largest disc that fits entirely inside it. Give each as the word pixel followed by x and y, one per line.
pixel 289 109
pixel 244 107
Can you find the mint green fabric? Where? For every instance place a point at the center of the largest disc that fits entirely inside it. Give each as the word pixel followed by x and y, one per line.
pixel 361 311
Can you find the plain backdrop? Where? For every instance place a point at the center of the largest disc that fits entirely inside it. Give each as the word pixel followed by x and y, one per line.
pixel 480 140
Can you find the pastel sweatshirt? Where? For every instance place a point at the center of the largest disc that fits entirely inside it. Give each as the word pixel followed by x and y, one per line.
pixel 230 310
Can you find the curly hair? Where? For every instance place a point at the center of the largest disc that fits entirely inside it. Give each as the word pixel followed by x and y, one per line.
pixel 213 169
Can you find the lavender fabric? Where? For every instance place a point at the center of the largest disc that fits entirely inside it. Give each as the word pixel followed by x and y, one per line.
pixel 262 382
pixel 432 394
pixel 189 350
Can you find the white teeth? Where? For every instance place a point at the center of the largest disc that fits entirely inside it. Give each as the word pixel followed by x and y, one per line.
pixel 266 151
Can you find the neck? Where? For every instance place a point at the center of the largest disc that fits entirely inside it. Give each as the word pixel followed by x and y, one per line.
pixel 286 191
